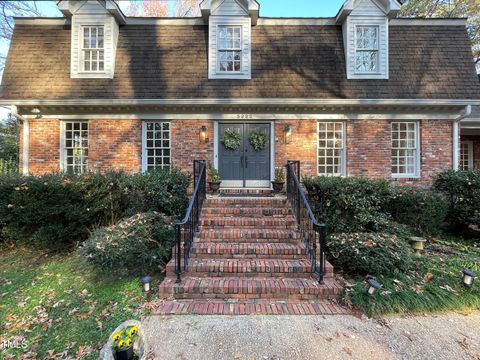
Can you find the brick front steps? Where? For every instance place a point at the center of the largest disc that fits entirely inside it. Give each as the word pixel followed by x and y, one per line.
pixel 246 307
pixel 248 251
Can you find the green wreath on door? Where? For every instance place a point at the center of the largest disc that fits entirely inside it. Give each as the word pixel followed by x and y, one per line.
pixel 258 140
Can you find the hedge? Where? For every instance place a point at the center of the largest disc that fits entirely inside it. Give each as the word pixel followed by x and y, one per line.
pixel 60 209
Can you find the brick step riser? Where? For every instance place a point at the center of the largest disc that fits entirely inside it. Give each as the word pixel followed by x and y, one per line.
pixel 247 212
pixel 246 250
pixel 239 221
pixel 245 236
pixel 244 191
pixel 247 202
pixel 248 256
pixel 249 240
pixel 289 275
pixel 191 296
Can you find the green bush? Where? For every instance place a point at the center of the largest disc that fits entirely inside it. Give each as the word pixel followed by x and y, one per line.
pixel 369 253
pixel 350 204
pixel 60 209
pixel 462 189
pixel 423 210
pixel 137 245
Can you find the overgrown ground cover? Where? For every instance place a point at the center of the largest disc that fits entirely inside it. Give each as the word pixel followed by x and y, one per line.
pixel 433 283
pixel 59 307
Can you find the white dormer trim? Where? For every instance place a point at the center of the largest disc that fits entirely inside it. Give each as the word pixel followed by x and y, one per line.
pixel 251 7
pixel 93 13
pixel 367 13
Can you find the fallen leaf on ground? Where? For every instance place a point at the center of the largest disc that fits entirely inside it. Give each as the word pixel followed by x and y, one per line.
pixel 348 350
pixel 408 335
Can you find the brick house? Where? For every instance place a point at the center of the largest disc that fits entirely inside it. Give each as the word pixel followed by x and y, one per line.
pixel 361 94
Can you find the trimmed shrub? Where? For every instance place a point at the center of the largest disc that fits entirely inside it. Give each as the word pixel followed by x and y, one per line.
pixel 369 253
pixel 60 209
pixel 350 204
pixel 139 244
pixel 423 210
pixel 462 190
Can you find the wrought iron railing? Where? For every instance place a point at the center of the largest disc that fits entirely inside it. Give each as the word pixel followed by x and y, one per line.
pixel 186 229
pixel 312 232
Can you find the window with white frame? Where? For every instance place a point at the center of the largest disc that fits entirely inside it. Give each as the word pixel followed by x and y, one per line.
pixel 93 51
pixel 229 49
pixel 157 145
pixel 466 155
pixel 75 147
pixel 331 148
pixel 366 49
pixel 405 149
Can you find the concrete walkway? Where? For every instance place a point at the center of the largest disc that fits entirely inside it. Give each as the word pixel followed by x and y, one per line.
pixel 436 337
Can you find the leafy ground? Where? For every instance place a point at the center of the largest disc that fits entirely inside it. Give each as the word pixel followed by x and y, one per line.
pixel 434 284
pixel 58 308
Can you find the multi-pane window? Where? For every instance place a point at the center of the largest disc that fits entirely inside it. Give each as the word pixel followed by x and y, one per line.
pixel 405 152
pixel 466 155
pixel 75 147
pixel 229 48
pixel 330 148
pixel 366 49
pixel 93 48
pixel 157 142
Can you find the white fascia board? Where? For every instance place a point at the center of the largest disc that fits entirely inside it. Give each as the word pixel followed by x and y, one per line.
pixel 249 101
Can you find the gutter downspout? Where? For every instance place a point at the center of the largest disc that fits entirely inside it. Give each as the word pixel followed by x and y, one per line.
pixel 26 139
pixel 456 135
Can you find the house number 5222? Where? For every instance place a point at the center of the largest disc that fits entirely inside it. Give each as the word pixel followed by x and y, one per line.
pixel 244 116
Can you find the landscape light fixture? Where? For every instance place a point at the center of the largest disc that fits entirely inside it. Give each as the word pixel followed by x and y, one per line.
pixel 468 277
pixel 147 283
pixel 373 286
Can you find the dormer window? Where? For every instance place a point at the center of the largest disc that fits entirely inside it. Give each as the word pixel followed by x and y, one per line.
pixel 229 49
pixel 93 49
pixel 366 49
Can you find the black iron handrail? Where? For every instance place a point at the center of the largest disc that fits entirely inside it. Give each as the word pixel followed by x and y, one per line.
pixel 312 232
pixel 186 229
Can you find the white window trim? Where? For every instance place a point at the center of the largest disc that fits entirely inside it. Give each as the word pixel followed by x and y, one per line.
pixel 63 148
pixel 217 69
pixel 343 167
pixel 355 27
pixel 246 44
pixel 144 142
pixel 469 144
pixel 417 172
pixel 83 49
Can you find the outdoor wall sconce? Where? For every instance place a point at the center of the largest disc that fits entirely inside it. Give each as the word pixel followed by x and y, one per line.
pixel 288 134
pixel 203 134
pixel 146 283
pixel 468 277
pixel 373 286
pixel 36 111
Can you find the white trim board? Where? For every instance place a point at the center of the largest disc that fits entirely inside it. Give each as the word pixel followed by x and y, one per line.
pixel 237 117
pixel 261 21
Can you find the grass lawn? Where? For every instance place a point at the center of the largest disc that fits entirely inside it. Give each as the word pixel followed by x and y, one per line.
pixel 57 304
pixel 433 285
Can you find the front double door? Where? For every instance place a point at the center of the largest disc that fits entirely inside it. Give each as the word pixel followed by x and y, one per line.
pixel 244 166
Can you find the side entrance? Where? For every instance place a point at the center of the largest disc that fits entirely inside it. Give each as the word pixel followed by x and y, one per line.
pixel 243 165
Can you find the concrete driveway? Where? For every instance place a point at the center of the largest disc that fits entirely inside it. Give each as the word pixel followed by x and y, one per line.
pixel 192 337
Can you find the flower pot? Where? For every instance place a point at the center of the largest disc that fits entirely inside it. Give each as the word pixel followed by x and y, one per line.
pixel 126 354
pixel 214 186
pixel 277 186
pixel 417 244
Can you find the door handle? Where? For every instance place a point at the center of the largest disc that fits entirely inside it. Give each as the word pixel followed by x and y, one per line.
pixel 246 161
pixel 241 161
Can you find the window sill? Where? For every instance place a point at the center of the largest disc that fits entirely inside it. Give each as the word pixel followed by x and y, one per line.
pixel 91 75
pixel 406 177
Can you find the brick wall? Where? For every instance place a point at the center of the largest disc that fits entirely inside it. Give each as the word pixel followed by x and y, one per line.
pixel 302 145
pixel 115 144
pixel 187 145
pixel 44 148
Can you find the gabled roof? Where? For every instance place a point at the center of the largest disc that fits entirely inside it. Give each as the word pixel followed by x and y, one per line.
pixel 70 7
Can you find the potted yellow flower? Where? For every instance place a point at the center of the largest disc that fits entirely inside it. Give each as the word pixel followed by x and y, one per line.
pixel 123 342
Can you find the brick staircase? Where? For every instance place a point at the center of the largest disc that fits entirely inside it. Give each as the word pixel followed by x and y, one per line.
pixel 247 259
